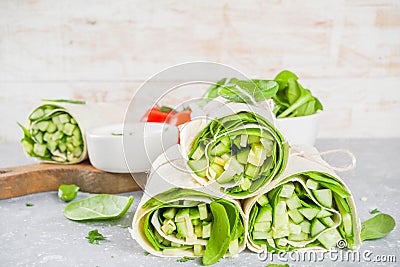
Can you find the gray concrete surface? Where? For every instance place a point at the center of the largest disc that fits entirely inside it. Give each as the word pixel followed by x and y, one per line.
pixel 41 236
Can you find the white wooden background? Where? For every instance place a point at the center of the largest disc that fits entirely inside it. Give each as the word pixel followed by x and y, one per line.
pixel 346 52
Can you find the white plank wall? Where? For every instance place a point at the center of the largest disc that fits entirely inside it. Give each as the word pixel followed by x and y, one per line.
pixel 346 52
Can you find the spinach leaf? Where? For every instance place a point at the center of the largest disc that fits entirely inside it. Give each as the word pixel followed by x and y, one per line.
pixel 220 235
pixel 94 237
pixel 67 192
pixel 99 207
pixel 377 227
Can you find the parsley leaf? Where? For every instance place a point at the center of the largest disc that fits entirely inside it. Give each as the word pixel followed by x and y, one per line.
pixel 94 237
pixel 185 259
pixel 374 211
pixel 29 204
pixel 146 253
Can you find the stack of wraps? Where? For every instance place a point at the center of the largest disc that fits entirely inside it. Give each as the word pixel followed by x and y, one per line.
pixel 232 183
pixel 55 130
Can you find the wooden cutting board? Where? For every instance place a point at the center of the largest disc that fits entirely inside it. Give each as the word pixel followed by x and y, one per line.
pixel 24 180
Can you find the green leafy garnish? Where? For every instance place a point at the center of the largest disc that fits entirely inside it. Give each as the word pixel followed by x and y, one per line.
pixel 146 253
pixel 123 226
pixel 117 134
pixel 67 192
pixel 377 227
pixel 99 207
pixel 29 204
pixel 80 102
pixel 374 211
pixel 94 237
pixel 185 259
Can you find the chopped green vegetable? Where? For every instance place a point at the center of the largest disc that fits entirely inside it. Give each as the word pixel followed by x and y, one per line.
pixel 146 253
pixel 29 204
pixel 65 101
pixel 374 211
pixel 94 237
pixel 117 134
pixel 98 207
pixel 185 259
pixel 67 192
pixel 377 227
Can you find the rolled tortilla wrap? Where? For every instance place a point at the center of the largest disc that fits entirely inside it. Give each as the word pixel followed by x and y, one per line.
pixel 55 131
pixel 307 208
pixel 178 222
pixel 240 150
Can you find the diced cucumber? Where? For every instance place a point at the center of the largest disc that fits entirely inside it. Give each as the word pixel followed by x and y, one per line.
pixel 251 170
pixel 293 202
pixel 159 238
pixel 234 247
pixel 168 227
pixel 347 223
pixel 198 153
pixel 226 176
pixel 42 125
pixel 294 228
pixel 173 244
pixel 232 163
pixel 198 230
pixel 69 129
pixel 62 147
pixel 280 207
pixel 243 140
pixel 181 214
pixel 57 135
pixel 51 128
pixel 251 139
pixel 77 151
pixel 39 149
pixel 220 149
pixel 215 170
pixel 324 196
pixel 219 161
pixel 282 242
pixel 268 146
pixel 39 137
pixel 197 250
pixel 296 216
pixel 316 227
pixel 47 137
pixel 72 121
pixel 194 213
pixel 245 185
pixel 309 213
pixel 52 145
pixel 287 190
pixel 203 214
pixel 324 213
pixel 330 238
pixel 225 157
pixel 64 118
pixel 280 222
pixel 166 242
pixel 262 226
pixel 305 227
pixel 242 156
pixel 264 214
pixel 327 221
pixel 313 185
pixel 36 114
pixel 206 231
pixel 181 228
pixel 169 213
pixel 198 166
pixel 299 237
pixel 28 147
pixel 257 154
pixel 263 200
pixel 77 133
pixel 261 235
pixel 196 222
pixel 280 232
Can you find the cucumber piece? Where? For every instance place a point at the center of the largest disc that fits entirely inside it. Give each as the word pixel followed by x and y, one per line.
pixel 168 227
pixel 330 238
pixel 281 242
pixel 220 149
pixel 158 237
pixel 77 151
pixel 215 170
pixel 232 163
pixel 226 156
pixel 268 146
pixel 206 230
pixel 69 129
pixel 347 224
pixel 58 135
pixel 166 243
pixel 234 247
pixel 324 213
pixel 196 222
pixel 72 121
pixel 42 125
pixel 313 185
pixel 280 207
pixel 226 141
pixel 199 167
pixel 293 202
pixel 262 226
pixel 280 232
pixel 324 196
pixel 51 128
pixel 64 118
pixel 309 213
pixel 198 230
pixel 251 170
pixel 287 190
pixel 219 161
pixel 203 214
pixel 245 185
pixel 52 145
pixel 251 139
pixel 47 137
pixel 316 227
pixel 39 137
pixel 181 214
pixel 197 250
pixel 262 235
pixel 39 149
pixel 242 156
pixel 299 237
pixel 264 214
pixel 294 228
pixel 327 221
pixel 226 176
pixel 243 140
pixel 182 229
pixel 198 153
pixel 62 147
pixel 257 154
pixel 305 227
pixel 169 213
pixel 296 216
pixel 36 114
pixel 263 200
pixel 194 213
pixel 28 147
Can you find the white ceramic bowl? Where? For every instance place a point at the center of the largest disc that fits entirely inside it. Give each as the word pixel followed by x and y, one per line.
pixel 128 148
pixel 299 130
